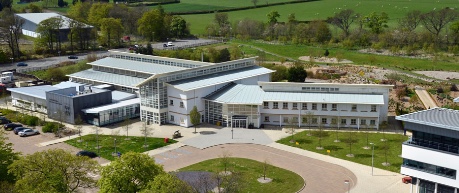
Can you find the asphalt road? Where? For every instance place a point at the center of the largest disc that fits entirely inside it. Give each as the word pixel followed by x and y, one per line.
pixel 48 61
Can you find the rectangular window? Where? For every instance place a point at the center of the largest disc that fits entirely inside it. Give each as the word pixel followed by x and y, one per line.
pixel 354 108
pixel 266 105
pixel 304 120
pixel 314 120
pixel 284 105
pixel 324 107
pixel 372 122
pixel 353 121
pixel 304 106
pixel 295 106
pixel 275 105
pixel 181 105
pixel 171 103
pixel 314 106
pixel 334 121
pixel 429 168
pixel 285 120
pixel 363 121
pixel 344 121
pixel 266 118
pixel 295 119
pixel 324 120
pixel 172 118
pixel 373 108
pixel 334 107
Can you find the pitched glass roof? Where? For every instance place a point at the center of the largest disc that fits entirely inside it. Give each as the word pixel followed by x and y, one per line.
pixel 239 94
pixel 219 78
pixel 112 106
pixel 145 67
pixel 436 117
pixel 253 94
pixel 109 78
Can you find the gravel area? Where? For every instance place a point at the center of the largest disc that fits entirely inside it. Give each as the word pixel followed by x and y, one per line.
pixel 440 74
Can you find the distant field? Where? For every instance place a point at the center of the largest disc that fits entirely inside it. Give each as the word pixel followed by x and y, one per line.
pixel 201 5
pixel 323 9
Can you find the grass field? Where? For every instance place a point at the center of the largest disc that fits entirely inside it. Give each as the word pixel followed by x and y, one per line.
pixel 362 156
pixel 206 5
pixel 107 144
pixel 393 62
pixel 283 180
pixel 323 9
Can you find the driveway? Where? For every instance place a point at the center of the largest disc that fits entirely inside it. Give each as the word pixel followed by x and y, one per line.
pixel 425 98
pixel 319 176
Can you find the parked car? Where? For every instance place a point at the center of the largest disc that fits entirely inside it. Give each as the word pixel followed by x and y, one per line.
pixel 4 120
pixel 11 126
pixel 73 57
pixel 21 64
pixel 170 44
pixel 28 132
pixel 19 129
pixel 87 154
pixel 164 45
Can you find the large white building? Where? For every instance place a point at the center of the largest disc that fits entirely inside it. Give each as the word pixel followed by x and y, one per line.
pixel 237 91
pixel 431 156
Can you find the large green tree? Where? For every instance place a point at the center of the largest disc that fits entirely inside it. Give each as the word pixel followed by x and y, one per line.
pixel 111 31
pixel 49 30
pixel 7 157
pixel 195 117
pixel 376 22
pixel 151 24
pixel 167 183
pixel 272 17
pixel 296 73
pixel 10 30
pixel 179 27
pixel 98 12
pixel 53 170
pixel 130 173
pixel 344 19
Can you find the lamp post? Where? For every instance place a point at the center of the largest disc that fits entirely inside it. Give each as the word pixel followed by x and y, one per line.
pixel 115 148
pixel 12 60
pixel 348 186
pixel 232 131
pixel 372 156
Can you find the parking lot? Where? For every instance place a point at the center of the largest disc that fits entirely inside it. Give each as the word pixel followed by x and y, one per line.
pixel 29 145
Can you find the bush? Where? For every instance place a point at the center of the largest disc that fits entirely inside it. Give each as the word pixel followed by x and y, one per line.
pixel 50 127
pixel 454 87
pixel 440 90
pixel 28 120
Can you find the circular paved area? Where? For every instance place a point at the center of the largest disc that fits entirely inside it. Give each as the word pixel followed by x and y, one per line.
pixel 319 176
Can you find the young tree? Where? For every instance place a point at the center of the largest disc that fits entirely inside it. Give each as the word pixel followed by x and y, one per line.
pixel 53 170
pixel 350 141
pixel 297 73
pixel 179 27
pixel 151 23
pixel 265 168
pixel 376 22
pixel 127 124
pixel 335 122
pixel 98 12
pixel 308 117
pixel 97 130
pixel 79 126
pixel 132 172
pixel 225 161
pixel 320 134
pixel 195 117
pixel 367 133
pixel 411 20
pixel 386 148
pixel 146 131
pixel 272 17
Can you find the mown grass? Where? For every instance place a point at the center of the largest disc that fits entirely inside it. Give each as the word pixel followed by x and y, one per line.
pixel 393 62
pixel 322 9
pixel 362 156
pixel 206 5
pixel 68 69
pixel 107 144
pixel 283 180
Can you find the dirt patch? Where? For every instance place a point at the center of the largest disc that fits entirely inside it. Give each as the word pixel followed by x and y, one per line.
pixel 443 75
pixel 325 60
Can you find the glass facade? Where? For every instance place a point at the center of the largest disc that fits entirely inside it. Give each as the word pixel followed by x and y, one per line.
pixel 429 168
pixel 433 141
pixel 113 115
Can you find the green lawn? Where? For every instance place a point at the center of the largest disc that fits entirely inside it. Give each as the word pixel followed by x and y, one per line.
pixel 394 62
pixel 107 144
pixel 283 180
pixel 204 5
pixel 362 156
pixel 322 9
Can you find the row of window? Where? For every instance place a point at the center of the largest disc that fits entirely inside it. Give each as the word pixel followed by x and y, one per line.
pixel 304 106
pixel 323 121
pixel 430 168
pixel 171 103
pixel 321 89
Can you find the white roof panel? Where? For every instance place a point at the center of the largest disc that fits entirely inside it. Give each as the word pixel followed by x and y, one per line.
pixel 239 94
pixel 112 106
pixel 121 96
pixel 144 67
pixel 219 78
pixel 456 100
pixel 34 91
pixel 39 17
pixel 109 78
pixel 436 117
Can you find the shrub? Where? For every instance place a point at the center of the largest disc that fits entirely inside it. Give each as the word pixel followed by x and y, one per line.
pixel 440 90
pixel 454 87
pixel 50 127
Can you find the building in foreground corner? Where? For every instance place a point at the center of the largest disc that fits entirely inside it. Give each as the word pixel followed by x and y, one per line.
pixel 431 156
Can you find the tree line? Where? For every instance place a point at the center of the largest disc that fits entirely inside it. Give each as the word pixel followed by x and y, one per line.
pixel 439 31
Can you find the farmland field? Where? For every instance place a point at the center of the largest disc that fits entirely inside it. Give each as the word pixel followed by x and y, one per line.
pixel 201 5
pixel 323 9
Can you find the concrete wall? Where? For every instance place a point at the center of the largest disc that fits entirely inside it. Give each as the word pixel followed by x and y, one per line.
pixel 67 108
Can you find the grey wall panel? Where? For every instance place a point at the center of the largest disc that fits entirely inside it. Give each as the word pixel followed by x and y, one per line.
pixel 432 130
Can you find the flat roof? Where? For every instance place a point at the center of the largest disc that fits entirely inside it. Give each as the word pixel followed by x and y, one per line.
pixel 121 96
pixel 436 117
pixel 112 106
pixel 34 91
pixel 67 84
pixel 219 78
pixel 339 98
pixel 108 78
pixel 137 66
pixel 238 94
